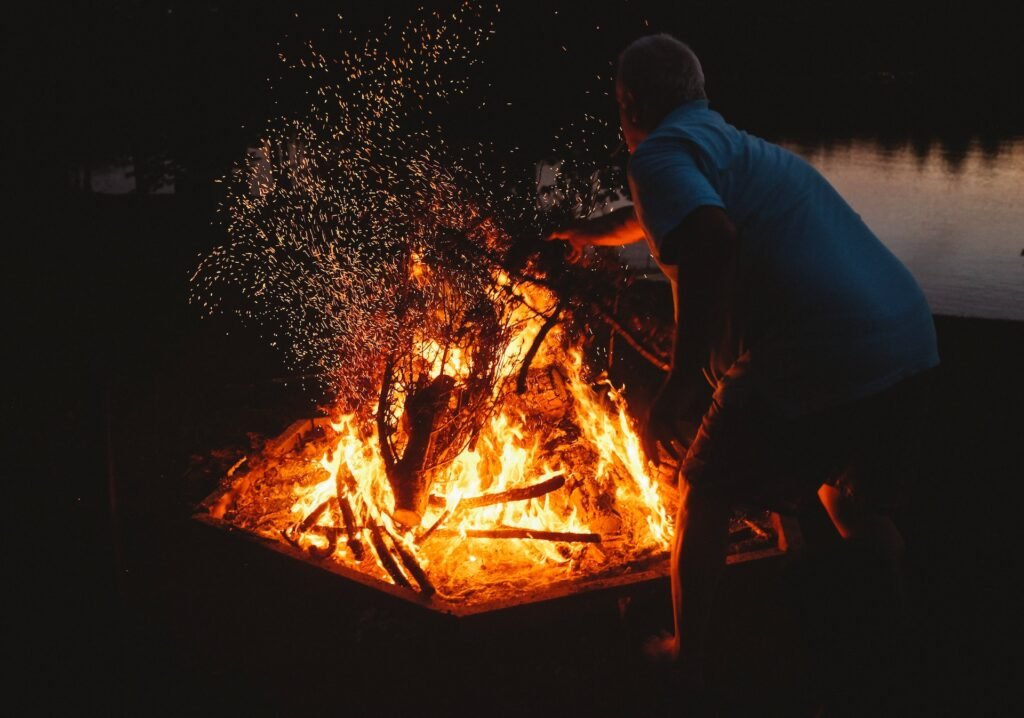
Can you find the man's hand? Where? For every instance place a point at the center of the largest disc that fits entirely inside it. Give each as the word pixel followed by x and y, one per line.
pixel 577 242
pixel 662 424
pixel 618 227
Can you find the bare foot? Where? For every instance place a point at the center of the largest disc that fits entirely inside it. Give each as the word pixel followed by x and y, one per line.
pixel 661 649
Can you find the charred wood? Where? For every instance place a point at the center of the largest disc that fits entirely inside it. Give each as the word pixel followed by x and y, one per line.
pixel 440 520
pixel 343 485
pixel 546 327
pixel 409 477
pixel 413 567
pixel 518 533
pixel 314 516
pixel 386 559
pixel 349 519
pixel 520 493
pixel 631 340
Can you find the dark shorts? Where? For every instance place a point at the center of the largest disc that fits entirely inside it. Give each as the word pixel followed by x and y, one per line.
pixel 869 449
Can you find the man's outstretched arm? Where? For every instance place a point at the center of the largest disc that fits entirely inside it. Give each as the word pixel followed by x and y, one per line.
pixel 618 227
pixel 704 248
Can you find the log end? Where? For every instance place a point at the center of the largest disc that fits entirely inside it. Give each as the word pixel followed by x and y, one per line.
pixel 408 517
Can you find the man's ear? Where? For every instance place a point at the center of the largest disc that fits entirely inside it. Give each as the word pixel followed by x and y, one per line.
pixel 630 107
pixel 643 112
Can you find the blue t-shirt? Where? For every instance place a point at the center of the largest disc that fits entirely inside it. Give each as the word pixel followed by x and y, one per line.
pixel 827 312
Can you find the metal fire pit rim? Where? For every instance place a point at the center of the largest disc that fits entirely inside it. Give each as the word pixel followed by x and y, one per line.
pixel 655 568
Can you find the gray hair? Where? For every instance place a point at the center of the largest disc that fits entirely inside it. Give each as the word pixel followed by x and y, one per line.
pixel 662 73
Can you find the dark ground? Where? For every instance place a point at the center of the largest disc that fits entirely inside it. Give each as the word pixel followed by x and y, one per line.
pixel 123 605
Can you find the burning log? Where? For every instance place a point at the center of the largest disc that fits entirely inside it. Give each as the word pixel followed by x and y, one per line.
pixel 342 488
pixel 508 532
pixel 755 529
pixel 413 567
pixel 386 559
pixel 546 327
pixel 520 493
pixel 426 534
pixel 409 478
pixel 314 516
pixel 329 532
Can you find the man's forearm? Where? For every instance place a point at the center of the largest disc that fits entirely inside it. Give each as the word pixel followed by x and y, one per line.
pixel 618 227
pixel 706 248
pixel 690 347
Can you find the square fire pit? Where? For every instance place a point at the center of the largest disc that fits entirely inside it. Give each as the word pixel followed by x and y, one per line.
pixel 289 498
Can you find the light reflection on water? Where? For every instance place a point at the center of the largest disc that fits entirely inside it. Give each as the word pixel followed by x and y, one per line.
pixel 953 215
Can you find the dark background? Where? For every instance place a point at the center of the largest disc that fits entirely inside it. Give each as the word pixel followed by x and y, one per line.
pixel 188 82
pixel 115 386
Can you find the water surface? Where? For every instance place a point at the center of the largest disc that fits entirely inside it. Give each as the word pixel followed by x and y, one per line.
pixel 954 214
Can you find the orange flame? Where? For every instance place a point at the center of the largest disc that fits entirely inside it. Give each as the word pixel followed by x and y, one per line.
pixel 604 485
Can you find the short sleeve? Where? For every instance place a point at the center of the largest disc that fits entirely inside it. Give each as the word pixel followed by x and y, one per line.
pixel 667 185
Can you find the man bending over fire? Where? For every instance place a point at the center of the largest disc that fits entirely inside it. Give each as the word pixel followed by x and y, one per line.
pixel 816 338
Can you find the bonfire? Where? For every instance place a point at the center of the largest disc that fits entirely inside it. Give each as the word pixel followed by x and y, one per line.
pixel 471 450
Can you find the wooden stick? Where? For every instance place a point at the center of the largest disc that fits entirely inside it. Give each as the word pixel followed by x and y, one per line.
pixel 413 566
pixel 386 559
pixel 349 519
pixel 520 493
pixel 508 532
pixel 288 538
pixel 387 452
pixel 758 531
pixel 314 516
pixel 632 341
pixel 328 531
pixel 524 370
pixel 426 534
pixel 343 486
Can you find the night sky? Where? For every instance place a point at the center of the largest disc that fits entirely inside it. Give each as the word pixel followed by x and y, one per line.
pixel 189 82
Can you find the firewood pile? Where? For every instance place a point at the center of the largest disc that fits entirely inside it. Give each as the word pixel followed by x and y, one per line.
pixel 568 514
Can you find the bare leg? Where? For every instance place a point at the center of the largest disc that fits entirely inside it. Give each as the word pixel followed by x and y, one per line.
pixel 816 525
pixel 698 557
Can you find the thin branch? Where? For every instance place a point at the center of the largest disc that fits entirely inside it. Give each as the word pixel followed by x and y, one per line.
pixel 314 516
pixel 349 519
pixel 426 534
pixel 413 567
pixel 386 559
pixel 632 341
pixel 387 451
pixel 524 370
